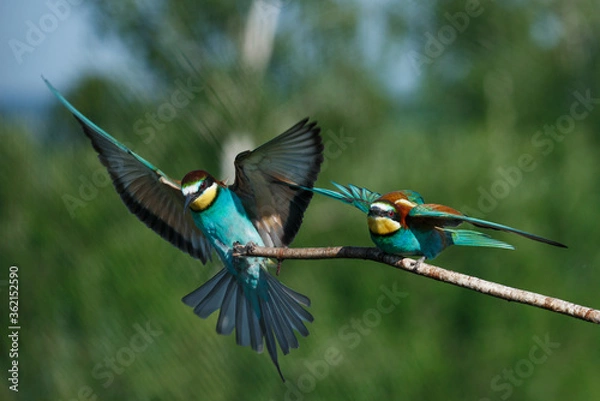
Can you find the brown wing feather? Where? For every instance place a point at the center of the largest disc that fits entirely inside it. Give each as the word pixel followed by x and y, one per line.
pixel 275 208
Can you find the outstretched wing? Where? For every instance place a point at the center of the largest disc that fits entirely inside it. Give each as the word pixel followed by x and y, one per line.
pixel 361 198
pixel 444 216
pixel 267 181
pixel 147 192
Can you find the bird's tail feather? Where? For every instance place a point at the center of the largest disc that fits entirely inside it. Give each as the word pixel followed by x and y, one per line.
pixel 501 227
pixel 474 238
pixel 272 311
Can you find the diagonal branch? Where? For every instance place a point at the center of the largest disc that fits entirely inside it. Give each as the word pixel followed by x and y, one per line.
pixel 423 269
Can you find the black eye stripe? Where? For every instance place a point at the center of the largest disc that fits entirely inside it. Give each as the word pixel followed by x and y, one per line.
pixel 203 185
pixel 384 212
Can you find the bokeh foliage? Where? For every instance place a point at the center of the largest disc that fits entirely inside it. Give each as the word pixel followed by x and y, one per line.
pixel 448 128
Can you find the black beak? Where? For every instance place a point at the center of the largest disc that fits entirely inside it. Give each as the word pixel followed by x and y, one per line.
pixel 188 199
pixel 374 213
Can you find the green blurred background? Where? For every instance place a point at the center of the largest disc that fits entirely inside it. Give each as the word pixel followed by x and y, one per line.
pixel 478 105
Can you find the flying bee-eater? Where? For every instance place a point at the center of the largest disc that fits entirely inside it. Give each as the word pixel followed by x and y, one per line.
pixel 200 214
pixel 401 223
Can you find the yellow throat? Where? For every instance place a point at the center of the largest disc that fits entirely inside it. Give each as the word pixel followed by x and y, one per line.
pixel 207 197
pixel 382 226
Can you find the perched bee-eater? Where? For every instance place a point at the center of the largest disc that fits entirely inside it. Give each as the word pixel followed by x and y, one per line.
pixel 401 223
pixel 200 213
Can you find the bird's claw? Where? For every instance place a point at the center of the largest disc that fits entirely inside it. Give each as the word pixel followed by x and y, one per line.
pixel 243 249
pixel 249 246
pixel 418 263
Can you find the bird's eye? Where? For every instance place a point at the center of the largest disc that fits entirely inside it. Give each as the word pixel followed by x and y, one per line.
pixel 391 213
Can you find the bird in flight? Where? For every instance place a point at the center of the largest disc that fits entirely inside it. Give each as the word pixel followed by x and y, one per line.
pixel 200 214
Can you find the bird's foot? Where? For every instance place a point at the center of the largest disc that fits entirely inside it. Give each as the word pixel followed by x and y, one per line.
pixel 243 249
pixel 250 245
pixel 418 263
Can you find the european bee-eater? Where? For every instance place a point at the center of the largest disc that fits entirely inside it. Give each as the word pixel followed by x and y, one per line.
pixel 200 213
pixel 401 223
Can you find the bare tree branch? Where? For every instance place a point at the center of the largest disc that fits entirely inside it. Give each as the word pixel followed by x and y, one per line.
pixel 434 272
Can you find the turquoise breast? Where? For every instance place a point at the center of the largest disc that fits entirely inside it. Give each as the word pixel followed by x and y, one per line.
pixel 226 222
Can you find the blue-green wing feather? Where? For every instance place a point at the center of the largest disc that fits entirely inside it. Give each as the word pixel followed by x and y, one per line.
pixel 361 198
pixel 413 196
pixel 475 238
pixel 151 195
pixel 442 218
pixel 99 131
